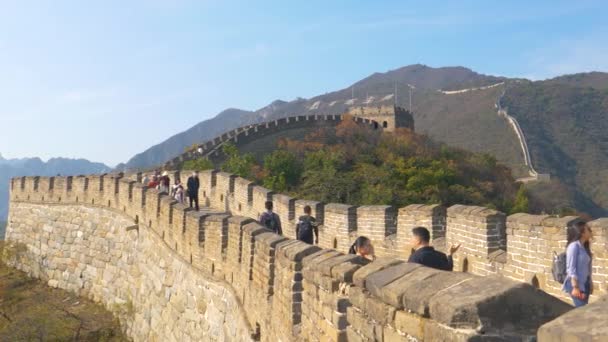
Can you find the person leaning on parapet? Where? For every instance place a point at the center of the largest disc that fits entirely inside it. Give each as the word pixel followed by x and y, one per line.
pixel 578 263
pixel 306 226
pixel 165 182
pixel 153 184
pixel 178 191
pixel 363 247
pixel 144 179
pixel 193 185
pixel 271 220
pixel 427 255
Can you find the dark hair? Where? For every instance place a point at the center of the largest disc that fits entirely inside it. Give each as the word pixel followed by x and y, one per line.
pixel 268 205
pixel 307 209
pixel 360 242
pixel 575 231
pixel 422 233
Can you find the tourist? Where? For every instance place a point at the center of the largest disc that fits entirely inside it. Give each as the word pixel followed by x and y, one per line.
pixel 193 184
pixel 271 220
pixel 363 247
pixel 578 263
pixel 144 179
pixel 165 182
pixel 153 184
pixel 426 255
pixel 178 191
pixel 306 226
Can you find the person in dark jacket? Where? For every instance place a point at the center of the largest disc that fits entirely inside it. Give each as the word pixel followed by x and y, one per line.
pixel 306 227
pixel 193 185
pixel 271 220
pixel 426 255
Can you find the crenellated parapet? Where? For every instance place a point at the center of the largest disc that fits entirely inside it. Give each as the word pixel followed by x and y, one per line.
pixel 286 289
pixel 243 136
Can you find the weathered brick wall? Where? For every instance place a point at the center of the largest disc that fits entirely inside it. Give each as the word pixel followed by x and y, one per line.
pixel 433 217
pixel 532 242
pixel 102 253
pixel 282 289
pixel 481 232
pixel 486 247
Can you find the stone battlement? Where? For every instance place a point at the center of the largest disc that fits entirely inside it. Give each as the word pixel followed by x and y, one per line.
pixel 387 117
pixel 247 134
pixel 110 238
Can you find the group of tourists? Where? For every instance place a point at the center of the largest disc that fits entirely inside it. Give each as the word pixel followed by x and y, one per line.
pixel 162 182
pixel 571 268
pixel 576 267
pixel 423 254
pixel 307 230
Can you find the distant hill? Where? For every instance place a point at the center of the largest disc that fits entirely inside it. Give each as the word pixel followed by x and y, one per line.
pixel 10 168
pixel 203 131
pixel 566 128
pixel 378 86
pixel 546 110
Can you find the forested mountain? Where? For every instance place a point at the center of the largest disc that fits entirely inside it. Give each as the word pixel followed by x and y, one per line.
pixel 378 88
pixel 563 119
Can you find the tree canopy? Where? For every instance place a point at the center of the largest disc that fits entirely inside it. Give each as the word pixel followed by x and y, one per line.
pixel 358 165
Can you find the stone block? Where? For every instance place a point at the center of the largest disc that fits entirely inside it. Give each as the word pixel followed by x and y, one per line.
pixel 410 324
pixel 378 280
pixel 378 265
pixel 564 328
pixel 494 303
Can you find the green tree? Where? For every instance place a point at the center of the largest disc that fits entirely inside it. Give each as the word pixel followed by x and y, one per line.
pixel 240 165
pixel 200 164
pixel 521 201
pixel 283 170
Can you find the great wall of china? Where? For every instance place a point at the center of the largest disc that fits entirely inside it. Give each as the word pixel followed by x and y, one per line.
pixel 514 124
pixel 379 117
pixel 173 274
pixel 247 134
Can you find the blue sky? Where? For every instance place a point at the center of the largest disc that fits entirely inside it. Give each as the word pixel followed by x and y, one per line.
pixel 104 80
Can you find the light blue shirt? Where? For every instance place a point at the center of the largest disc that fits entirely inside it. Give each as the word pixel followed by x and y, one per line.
pixel 578 265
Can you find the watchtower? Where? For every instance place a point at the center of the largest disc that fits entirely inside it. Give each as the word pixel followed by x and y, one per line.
pixel 387 117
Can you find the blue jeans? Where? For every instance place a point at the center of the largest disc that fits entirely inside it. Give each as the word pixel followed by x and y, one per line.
pixel 579 302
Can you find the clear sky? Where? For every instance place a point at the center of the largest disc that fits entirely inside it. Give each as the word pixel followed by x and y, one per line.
pixel 104 80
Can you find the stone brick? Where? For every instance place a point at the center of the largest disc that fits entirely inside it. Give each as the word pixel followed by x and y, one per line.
pixel 563 329
pixel 379 264
pixel 496 301
pixel 410 324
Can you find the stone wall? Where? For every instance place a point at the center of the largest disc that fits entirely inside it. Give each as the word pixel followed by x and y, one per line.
pixel 519 246
pixel 100 253
pixel 265 134
pixel 387 117
pixel 174 274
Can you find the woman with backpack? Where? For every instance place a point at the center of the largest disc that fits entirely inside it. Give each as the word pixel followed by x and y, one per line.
pixel 578 263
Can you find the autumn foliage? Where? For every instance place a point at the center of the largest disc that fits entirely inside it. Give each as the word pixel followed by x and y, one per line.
pixel 358 165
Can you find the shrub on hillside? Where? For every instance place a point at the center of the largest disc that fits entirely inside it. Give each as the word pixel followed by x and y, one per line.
pixel 358 165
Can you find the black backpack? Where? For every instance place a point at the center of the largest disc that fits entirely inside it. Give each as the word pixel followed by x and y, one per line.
pixel 305 228
pixel 559 268
pixel 269 221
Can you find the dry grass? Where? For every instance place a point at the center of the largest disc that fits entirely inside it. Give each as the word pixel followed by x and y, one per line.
pixel 32 311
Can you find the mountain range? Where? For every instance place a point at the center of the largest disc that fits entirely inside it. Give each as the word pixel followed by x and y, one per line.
pixel 10 168
pixel 563 120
